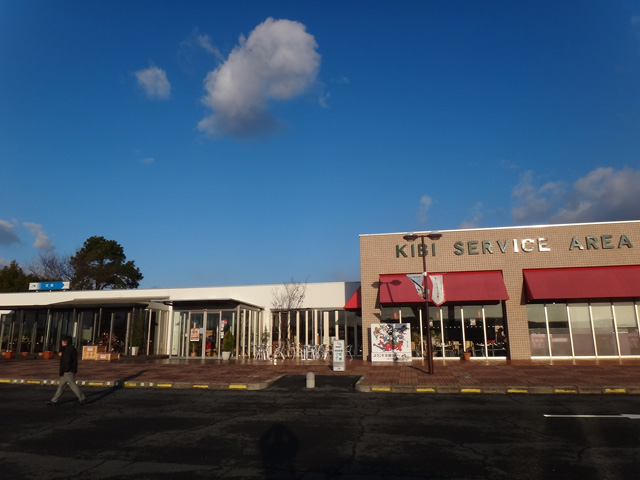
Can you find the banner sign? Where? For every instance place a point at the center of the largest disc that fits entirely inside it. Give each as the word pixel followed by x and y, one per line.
pixel 39 286
pixel 437 289
pixel 390 342
pixel 338 356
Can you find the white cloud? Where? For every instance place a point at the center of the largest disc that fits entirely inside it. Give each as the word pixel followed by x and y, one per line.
pixel 42 242
pixel 476 217
pixel 154 82
pixel 278 61
pixel 423 209
pixel 198 41
pixel 148 160
pixel 604 194
pixel 7 235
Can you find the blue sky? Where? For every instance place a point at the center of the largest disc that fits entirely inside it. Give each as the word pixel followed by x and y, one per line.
pixel 250 142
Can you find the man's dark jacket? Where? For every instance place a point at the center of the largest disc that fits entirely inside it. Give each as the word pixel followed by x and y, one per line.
pixel 69 360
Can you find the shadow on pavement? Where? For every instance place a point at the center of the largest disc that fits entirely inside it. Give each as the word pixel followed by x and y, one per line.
pixel 118 384
pixel 337 383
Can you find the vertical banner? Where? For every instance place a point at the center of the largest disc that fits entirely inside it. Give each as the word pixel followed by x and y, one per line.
pixel 390 342
pixel 437 289
pixel 338 356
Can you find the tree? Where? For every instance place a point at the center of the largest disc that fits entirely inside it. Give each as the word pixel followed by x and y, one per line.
pixel 13 278
pixel 100 264
pixel 290 297
pixel 49 266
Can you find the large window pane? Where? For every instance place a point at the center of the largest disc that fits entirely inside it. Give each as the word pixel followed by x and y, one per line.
pixel 559 329
pixel 627 328
pixel 452 324
pixel 474 330
pixel 537 330
pixel 581 330
pixel 496 337
pixel 604 329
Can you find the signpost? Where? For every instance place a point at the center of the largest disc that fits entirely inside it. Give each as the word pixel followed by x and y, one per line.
pixel 338 356
pixel 49 286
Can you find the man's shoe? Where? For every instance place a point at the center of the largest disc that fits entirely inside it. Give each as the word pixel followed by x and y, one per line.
pixel 81 403
pixel 50 403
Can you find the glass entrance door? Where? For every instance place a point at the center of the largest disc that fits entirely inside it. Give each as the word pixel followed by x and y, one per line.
pixel 196 331
pixel 212 345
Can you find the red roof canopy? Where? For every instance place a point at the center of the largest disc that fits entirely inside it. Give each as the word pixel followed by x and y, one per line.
pixel 586 282
pixel 355 302
pixel 458 287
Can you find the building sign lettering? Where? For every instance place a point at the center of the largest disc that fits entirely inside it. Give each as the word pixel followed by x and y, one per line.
pixel 516 245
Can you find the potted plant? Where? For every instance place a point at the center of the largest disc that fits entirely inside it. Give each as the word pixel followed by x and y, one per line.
pixel 228 343
pixel 466 355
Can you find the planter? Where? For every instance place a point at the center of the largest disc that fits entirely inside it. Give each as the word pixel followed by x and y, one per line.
pixel 48 355
pixel 9 355
pixel 466 355
pixel 25 354
pixel 134 351
pixel 226 355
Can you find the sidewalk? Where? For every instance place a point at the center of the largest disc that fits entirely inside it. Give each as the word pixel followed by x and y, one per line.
pixel 610 376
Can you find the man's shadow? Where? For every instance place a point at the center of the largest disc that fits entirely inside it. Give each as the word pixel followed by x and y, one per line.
pixel 279 446
pixel 117 385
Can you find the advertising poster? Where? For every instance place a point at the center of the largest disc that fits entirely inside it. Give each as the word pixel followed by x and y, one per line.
pixel 390 342
pixel 195 334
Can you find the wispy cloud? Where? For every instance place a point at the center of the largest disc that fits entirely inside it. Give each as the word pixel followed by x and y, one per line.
pixel 476 217
pixel 278 61
pixel 423 209
pixel 42 241
pixel 197 40
pixel 7 235
pixel 154 82
pixel 604 194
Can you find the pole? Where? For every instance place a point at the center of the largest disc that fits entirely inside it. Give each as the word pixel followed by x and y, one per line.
pixel 425 292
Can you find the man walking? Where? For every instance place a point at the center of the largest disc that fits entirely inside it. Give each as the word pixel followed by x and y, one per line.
pixel 68 370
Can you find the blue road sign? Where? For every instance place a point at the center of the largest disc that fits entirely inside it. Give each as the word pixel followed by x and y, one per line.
pixel 49 286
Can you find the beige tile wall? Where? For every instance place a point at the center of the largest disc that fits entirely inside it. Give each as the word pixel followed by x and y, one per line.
pixel 378 256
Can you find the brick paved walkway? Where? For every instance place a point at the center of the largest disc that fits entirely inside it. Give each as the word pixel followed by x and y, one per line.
pixel 450 376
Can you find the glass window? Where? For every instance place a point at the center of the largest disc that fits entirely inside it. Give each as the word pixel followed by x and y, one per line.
pixel 537 330
pixel 581 330
pixel 495 331
pixel 436 315
pixel 559 329
pixel 627 328
pixel 604 329
pixel 452 325
pixel 474 341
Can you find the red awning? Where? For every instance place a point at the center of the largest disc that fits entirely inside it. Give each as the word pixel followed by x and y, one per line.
pixel 355 302
pixel 586 282
pixel 457 286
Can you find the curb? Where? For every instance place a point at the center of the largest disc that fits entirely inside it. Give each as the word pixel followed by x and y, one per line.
pixel 360 386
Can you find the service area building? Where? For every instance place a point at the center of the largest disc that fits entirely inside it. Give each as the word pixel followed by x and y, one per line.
pixel 547 291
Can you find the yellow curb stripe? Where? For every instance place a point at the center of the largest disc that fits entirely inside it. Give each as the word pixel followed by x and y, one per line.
pixel 517 390
pixel 164 385
pixel 34 382
pixel 5 380
pixel 130 384
pixel 380 389
pixel 565 390
pixel 96 384
pixel 615 390
pixel 470 390
pixel 426 390
pixel 200 386
pixel 238 386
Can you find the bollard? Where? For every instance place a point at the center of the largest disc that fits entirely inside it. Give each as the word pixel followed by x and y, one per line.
pixel 311 380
